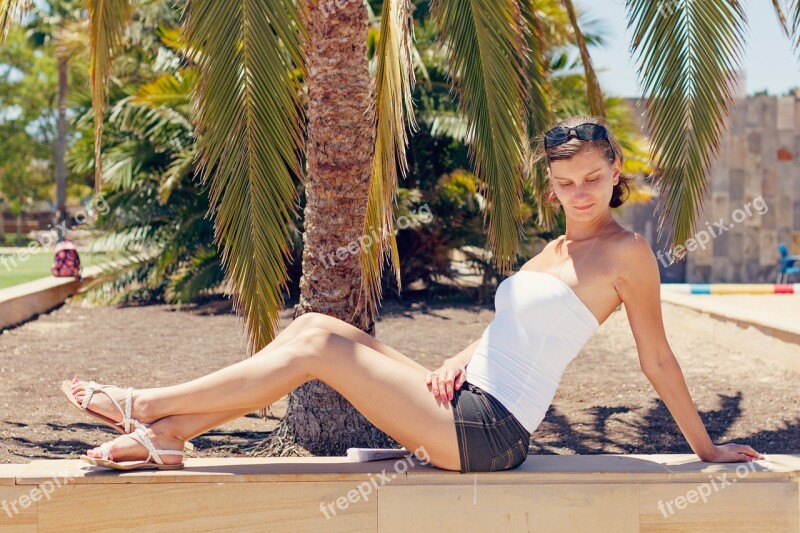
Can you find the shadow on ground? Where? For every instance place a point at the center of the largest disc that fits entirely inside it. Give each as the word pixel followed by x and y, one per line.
pixel 657 433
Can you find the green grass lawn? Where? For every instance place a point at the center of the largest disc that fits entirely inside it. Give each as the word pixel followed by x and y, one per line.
pixel 13 271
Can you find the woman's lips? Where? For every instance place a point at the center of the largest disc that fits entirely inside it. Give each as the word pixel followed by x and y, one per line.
pixel 584 208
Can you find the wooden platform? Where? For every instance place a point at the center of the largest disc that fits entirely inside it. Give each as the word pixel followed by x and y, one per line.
pixel 598 493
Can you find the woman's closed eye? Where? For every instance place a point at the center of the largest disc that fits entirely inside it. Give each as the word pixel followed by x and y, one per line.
pixel 570 183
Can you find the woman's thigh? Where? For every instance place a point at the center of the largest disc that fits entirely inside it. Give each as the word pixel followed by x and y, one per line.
pixel 390 394
pixel 341 328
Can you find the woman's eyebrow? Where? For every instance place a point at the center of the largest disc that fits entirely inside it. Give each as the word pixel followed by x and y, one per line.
pixel 587 174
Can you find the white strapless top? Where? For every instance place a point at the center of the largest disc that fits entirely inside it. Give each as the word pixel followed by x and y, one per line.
pixel 540 326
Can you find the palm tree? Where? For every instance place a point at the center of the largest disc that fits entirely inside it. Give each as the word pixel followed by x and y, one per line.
pixel 45 25
pixel 252 55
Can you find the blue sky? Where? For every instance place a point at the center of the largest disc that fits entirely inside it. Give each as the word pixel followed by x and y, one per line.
pixel 768 61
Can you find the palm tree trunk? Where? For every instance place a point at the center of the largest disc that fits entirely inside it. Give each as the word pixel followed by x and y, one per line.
pixel 340 145
pixel 61 148
pixel 18 238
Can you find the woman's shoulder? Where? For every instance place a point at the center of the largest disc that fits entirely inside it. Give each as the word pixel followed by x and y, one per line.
pixel 630 244
pixel 632 254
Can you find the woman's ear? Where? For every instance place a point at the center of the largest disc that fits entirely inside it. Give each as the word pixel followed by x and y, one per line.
pixel 617 168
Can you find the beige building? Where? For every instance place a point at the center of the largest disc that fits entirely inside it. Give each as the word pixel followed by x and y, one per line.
pixel 752 202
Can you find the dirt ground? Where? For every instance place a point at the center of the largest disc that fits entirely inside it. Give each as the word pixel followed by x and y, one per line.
pixel 604 404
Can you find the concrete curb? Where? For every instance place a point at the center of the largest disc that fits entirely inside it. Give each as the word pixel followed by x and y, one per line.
pixel 26 300
pixel 761 332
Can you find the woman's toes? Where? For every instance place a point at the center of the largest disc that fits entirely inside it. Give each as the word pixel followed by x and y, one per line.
pixel 127 448
pixel 97 453
pixel 94 452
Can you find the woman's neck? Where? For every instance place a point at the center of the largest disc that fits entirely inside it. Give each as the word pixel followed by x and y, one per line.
pixel 583 230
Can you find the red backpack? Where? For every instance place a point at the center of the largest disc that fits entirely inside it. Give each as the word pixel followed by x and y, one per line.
pixel 66 262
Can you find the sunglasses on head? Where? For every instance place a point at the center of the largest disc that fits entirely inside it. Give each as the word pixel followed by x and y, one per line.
pixel 584 132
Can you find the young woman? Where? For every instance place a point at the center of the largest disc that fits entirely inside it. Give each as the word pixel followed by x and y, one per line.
pixel 477 411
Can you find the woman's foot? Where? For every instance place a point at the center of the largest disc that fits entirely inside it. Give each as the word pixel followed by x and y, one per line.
pixel 125 448
pixel 102 404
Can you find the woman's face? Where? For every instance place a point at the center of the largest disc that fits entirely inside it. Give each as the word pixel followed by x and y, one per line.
pixel 584 184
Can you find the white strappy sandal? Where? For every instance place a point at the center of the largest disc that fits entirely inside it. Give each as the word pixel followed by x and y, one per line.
pixel 140 436
pixel 93 387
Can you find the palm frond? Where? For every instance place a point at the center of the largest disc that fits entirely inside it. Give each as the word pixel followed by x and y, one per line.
pixel 247 114
pixel 201 274
pixel 539 105
pixel 182 165
pixel 168 90
pixel 107 22
pixel 11 11
pixel 485 45
pixel 71 39
pixel 118 281
pixel 688 56
pixel 448 124
pixel 781 17
pixel 596 103
pixel 393 85
pixel 794 12
pixel 540 114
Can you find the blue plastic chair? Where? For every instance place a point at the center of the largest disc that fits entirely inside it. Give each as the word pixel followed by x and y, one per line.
pixel 787 266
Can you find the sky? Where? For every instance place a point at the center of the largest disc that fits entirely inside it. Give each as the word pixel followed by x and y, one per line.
pixel 768 61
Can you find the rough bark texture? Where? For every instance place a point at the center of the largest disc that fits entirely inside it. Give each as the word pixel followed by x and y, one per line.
pixel 340 148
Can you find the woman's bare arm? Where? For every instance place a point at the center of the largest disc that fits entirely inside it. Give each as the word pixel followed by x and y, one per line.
pixel 465 356
pixel 640 289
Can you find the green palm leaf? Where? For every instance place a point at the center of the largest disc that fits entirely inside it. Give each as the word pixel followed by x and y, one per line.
pixel 794 12
pixel 393 84
pixel 596 102
pixel 200 275
pixel 539 105
pixel 248 124
pixel 107 22
pixel 11 11
pixel 688 56
pixel 485 45
pixel 781 16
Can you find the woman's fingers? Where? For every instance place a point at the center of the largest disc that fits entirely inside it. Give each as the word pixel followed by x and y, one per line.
pixel 445 381
pixel 749 451
pixel 448 383
pixel 462 377
pixel 434 383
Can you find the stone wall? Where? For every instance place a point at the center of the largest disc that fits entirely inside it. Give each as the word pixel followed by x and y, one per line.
pixel 754 187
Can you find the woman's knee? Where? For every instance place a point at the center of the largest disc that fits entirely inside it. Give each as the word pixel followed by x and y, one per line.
pixel 314 320
pixel 312 342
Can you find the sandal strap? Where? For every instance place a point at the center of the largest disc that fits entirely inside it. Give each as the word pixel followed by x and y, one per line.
pixel 105 449
pixel 141 437
pixel 145 440
pixel 88 395
pixel 127 419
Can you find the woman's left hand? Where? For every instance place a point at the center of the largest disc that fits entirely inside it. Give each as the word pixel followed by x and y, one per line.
pixel 732 453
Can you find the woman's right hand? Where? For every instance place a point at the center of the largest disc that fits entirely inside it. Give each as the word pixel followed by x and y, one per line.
pixel 447 378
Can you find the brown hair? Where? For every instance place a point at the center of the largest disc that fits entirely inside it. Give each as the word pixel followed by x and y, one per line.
pixel 610 150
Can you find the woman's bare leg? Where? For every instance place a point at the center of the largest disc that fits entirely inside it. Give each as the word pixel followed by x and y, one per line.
pixel 101 404
pixel 188 426
pixel 389 393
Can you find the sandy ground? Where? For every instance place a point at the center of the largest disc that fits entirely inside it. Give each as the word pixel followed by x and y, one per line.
pixel 604 403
